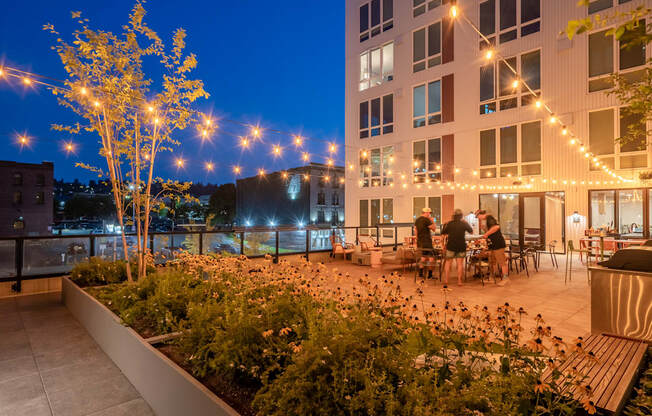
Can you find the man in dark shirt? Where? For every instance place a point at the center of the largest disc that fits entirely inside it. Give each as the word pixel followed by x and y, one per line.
pixel 456 244
pixel 423 225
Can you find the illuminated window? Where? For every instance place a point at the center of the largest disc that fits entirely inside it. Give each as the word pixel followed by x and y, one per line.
pixel 376 66
pixel 497 82
pixel 426 160
pixel 376 167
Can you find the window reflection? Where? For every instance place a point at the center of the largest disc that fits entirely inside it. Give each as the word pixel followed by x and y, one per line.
pixel 630 212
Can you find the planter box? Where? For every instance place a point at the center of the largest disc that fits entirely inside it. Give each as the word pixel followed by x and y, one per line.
pixel 167 388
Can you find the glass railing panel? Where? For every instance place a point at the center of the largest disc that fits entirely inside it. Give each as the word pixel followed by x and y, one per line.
pixel 53 255
pixel 259 243
pixel 320 240
pixel 221 243
pixel 292 242
pixel 7 258
pixel 111 248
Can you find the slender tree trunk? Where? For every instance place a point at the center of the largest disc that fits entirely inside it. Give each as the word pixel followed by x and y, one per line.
pixel 116 194
pixel 148 195
pixel 136 200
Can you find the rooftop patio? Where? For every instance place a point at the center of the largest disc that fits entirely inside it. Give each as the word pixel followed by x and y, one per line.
pixel 564 306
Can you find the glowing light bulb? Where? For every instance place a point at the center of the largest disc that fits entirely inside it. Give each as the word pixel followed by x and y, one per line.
pixel 553 119
pixel 330 162
pixel 23 140
pixel 204 133
pixel 255 132
pixel 261 172
pixel 332 148
pixel 298 140
pixel 69 147
pixel 244 142
pixel 453 11
pixel 364 154
pixel 581 149
pixel 475 173
pixel 342 180
pixel 284 175
pixel 305 157
pixel 180 163
pixel 2 72
pixel 96 103
pixel 515 83
pixel 351 167
pixel 236 169
pixel 150 109
pixel 208 122
pixel 27 81
pixel 210 166
pixel 489 54
pixel 327 178
pixel 156 120
pixel 457 170
pixel 277 150
pixel 306 177
pixel 564 132
pixel 83 91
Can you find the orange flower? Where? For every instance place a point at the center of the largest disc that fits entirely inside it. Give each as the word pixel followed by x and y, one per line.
pixel 589 406
pixel 541 387
pixel 268 333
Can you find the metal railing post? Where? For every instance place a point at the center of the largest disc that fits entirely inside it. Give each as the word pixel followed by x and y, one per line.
pixel 395 238
pixel 242 236
pixel 91 250
pixel 377 235
pixel 357 236
pixel 201 243
pixel 17 287
pixel 276 255
pixel 307 244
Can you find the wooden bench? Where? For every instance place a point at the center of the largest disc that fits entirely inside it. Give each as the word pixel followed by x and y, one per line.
pixel 612 375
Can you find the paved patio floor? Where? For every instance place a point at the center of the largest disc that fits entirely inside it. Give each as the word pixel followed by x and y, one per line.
pixel 565 307
pixel 49 365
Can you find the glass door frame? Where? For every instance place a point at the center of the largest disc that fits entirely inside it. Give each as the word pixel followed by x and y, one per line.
pixel 647 219
pixel 542 218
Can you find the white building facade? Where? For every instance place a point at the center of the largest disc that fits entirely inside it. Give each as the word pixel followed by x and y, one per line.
pixel 432 121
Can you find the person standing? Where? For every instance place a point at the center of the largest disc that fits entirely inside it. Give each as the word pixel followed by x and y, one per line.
pixel 456 244
pixel 497 246
pixel 423 225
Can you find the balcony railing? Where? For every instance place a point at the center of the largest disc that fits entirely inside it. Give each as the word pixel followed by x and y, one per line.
pixel 36 257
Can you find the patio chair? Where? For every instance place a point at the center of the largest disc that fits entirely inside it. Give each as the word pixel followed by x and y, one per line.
pixel 516 259
pixel 481 265
pixel 421 264
pixel 553 256
pixel 340 247
pixel 532 252
pixel 568 273
pixel 403 256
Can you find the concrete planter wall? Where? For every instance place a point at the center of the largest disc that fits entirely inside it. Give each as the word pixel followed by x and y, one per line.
pixel 169 390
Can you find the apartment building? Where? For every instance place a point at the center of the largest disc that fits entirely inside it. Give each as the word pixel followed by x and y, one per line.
pixel 434 119
pixel 306 195
pixel 26 198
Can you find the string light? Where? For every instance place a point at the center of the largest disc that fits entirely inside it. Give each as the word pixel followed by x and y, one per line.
pixel 306 177
pixel 96 104
pixel 306 157
pixel 277 150
pixel 244 142
pixel 255 132
pixel 150 109
pixel 210 166
pixel 351 167
pixel 237 170
pixel 515 84
pixel 2 72
pixel 330 162
pixel 538 104
pixel 298 141
pixel 453 11
pixel 261 172
pixel 27 81
pixel 180 163
pixel 284 175
pixel 489 54
pixel 553 120
pixel 83 91
pixel 332 148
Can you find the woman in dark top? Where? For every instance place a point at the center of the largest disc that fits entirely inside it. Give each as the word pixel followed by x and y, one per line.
pixel 456 244
pixel 497 248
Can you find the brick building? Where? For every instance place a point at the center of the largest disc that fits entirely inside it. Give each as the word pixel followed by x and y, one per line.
pixel 26 198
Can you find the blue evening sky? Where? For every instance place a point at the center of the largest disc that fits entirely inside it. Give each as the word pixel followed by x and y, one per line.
pixel 279 63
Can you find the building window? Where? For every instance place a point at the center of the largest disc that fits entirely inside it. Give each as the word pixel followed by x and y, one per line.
pixel 606 56
pixel 335 217
pixel 336 199
pixel 40 179
pixel 321 198
pixel 498 82
pixel 376 167
pixel 376 66
pixel 321 217
pixel 19 224
pixel 511 151
pixel 604 128
pixel 377 116
pixel 40 198
pixel 432 202
pixel 599 5
pixel 376 17
pixel 17 179
pixel 18 197
pixel 426 47
pixel 621 211
pixel 374 212
pixel 419 7
pixel 507 19
pixel 426 104
pixel 426 161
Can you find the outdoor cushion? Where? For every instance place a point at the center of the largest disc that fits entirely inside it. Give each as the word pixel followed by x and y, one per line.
pixel 631 258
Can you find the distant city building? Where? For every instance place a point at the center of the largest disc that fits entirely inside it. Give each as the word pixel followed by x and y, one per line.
pixel 312 194
pixel 26 198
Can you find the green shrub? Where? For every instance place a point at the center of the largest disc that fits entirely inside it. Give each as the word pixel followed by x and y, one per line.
pixel 98 272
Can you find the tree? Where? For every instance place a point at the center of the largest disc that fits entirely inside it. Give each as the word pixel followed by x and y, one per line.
pixel 108 88
pixel 222 204
pixel 631 30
